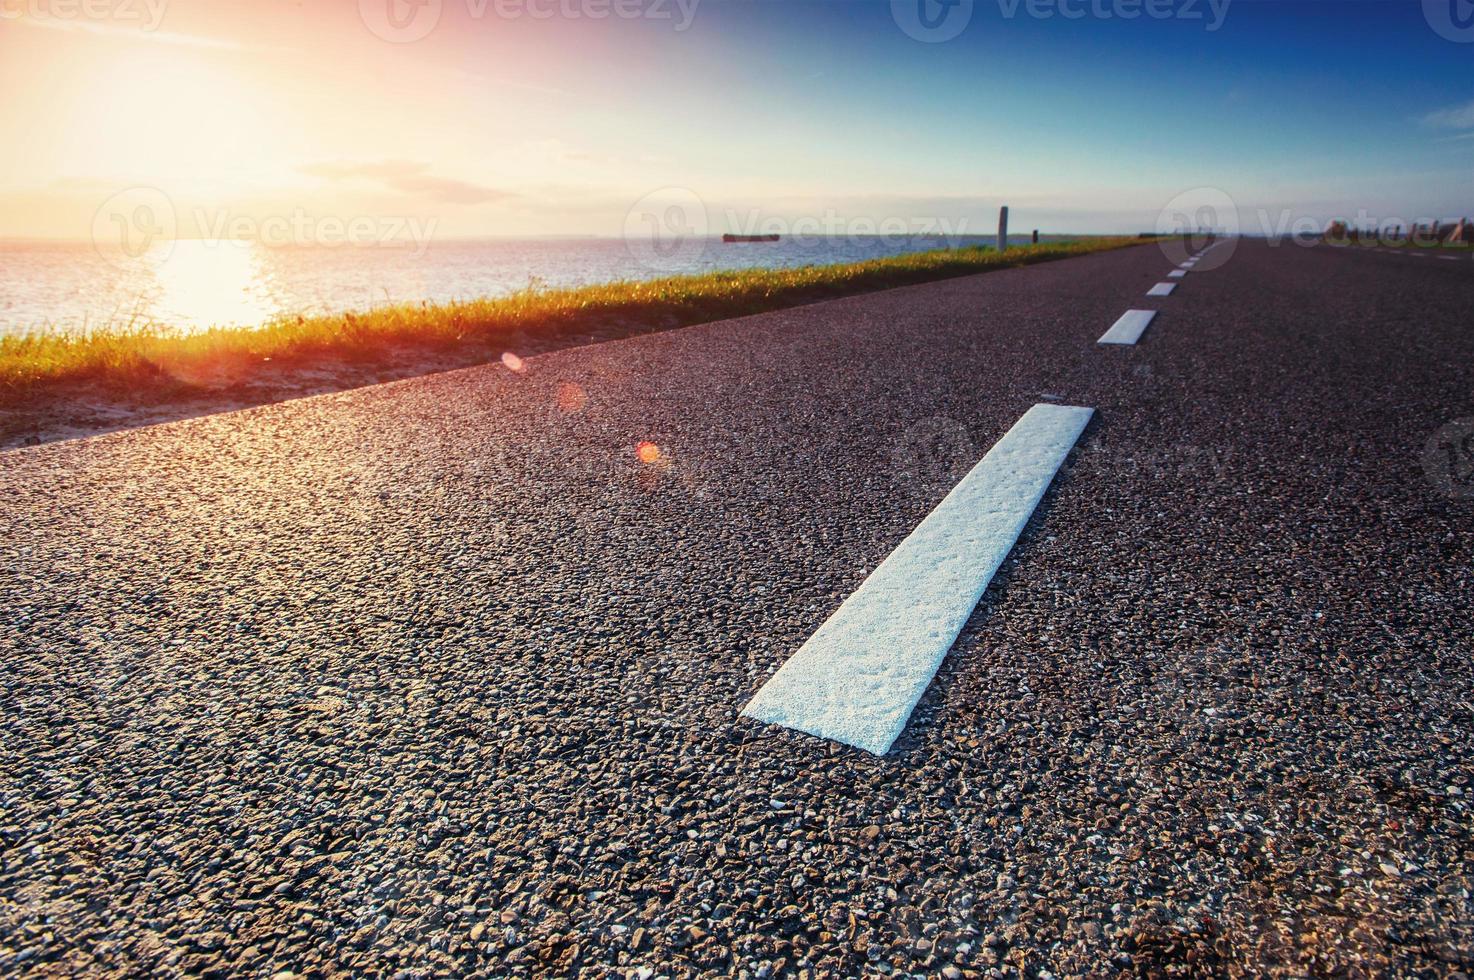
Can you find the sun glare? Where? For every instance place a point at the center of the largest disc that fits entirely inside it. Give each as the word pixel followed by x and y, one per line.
pixel 209 283
pixel 180 120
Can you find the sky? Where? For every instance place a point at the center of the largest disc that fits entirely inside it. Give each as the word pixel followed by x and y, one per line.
pixel 542 117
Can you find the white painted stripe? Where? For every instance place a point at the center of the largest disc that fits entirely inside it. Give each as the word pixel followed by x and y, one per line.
pixel 1188 264
pixel 1129 328
pixel 1176 273
pixel 1449 258
pixel 858 678
pixel 1162 289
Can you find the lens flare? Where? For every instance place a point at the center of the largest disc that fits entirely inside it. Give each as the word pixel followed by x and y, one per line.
pixel 513 362
pixel 648 452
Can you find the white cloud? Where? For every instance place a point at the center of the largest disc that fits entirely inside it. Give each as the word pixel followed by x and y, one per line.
pixel 1453 117
pixel 499 82
pixel 143 29
pixel 409 177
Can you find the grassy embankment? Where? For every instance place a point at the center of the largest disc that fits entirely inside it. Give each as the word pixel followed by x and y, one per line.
pixel 157 361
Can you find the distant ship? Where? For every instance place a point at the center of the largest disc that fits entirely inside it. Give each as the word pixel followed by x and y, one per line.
pixel 749 238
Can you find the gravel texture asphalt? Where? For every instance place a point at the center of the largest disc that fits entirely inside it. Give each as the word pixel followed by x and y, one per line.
pixel 442 677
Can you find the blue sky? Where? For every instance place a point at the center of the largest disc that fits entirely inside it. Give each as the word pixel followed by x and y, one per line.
pixel 775 110
pixel 1307 105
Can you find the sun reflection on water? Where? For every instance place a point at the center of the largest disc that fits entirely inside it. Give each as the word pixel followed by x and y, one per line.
pixel 210 283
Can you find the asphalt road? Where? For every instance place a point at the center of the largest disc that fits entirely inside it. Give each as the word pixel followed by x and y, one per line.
pixel 443 677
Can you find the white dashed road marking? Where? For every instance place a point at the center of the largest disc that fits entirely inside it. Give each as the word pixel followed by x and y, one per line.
pixel 1176 273
pixel 859 676
pixel 1162 289
pixel 1129 328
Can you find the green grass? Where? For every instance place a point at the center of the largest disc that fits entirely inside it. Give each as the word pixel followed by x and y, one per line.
pixel 156 359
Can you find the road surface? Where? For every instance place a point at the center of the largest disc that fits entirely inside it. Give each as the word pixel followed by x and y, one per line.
pixel 444 676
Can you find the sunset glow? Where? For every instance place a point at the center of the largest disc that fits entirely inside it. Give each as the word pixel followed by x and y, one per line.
pixel 526 119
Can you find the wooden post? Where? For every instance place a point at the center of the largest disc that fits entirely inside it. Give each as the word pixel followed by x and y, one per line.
pixel 1036 236
pixel 1003 228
